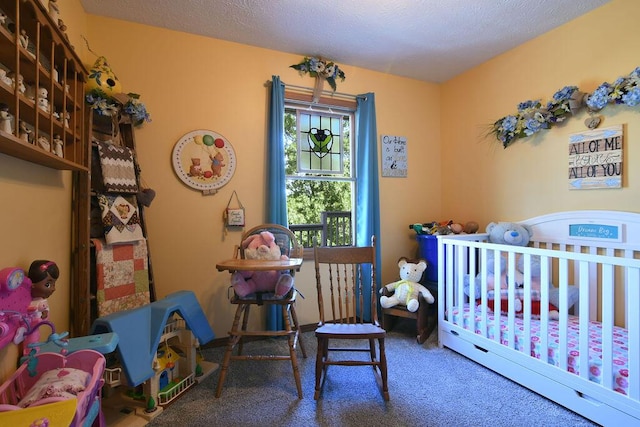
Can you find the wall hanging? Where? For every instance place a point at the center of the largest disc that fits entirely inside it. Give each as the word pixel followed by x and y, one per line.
pixel 595 159
pixel 533 116
pixel 234 217
pixel 322 70
pixel 204 160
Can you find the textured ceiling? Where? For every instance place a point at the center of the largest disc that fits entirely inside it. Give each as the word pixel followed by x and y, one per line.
pixel 430 40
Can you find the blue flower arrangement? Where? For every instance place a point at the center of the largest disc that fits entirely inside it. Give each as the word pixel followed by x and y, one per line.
pixel 105 105
pixel 317 67
pixel 532 116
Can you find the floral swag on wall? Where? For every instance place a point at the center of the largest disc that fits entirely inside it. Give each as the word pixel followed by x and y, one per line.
pixel 532 116
pixel 320 68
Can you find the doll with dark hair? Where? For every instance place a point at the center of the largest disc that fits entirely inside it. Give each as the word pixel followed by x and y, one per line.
pixel 43 275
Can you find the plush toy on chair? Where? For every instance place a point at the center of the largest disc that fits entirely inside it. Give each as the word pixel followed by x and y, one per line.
pixel 407 290
pixel 261 246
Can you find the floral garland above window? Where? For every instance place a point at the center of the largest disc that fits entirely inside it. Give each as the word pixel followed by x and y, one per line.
pixel 532 116
pixel 317 67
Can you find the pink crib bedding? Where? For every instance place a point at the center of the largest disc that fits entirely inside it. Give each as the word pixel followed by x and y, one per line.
pixel 620 343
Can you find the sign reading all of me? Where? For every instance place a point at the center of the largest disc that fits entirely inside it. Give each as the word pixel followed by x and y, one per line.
pixel 595 159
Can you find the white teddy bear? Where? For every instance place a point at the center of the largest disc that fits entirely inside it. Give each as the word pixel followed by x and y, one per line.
pixel 407 290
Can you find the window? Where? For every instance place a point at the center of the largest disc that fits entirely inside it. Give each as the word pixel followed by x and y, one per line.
pixel 320 179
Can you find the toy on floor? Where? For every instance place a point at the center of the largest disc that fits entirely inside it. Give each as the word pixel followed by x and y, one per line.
pixel 261 246
pixel 407 290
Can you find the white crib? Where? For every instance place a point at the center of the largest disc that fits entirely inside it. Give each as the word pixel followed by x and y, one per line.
pixel 598 252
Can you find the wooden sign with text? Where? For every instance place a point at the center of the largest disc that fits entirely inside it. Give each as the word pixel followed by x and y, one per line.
pixel 595 159
pixel 394 156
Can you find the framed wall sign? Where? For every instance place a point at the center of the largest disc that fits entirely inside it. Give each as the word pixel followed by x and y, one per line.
pixel 394 155
pixel 595 159
pixel 204 160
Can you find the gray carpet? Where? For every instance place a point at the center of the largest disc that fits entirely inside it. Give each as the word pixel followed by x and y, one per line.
pixel 428 387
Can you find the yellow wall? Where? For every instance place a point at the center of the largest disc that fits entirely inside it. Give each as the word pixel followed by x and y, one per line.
pixel 190 82
pixel 36 208
pixel 530 178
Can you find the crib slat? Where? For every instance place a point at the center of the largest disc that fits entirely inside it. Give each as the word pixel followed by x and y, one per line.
pixel 632 282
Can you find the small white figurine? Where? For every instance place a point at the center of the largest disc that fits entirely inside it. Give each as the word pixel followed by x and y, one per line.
pixel 54 10
pixel 67 117
pixel 24 39
pixel 5 119
pixel 43 142
pixel 3 18
pixel 21 87
pixel 57 146
pixel 25 132
pixel 43 102
pixel 4 76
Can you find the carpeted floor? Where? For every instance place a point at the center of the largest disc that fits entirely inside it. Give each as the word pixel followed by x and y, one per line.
pixel 429 386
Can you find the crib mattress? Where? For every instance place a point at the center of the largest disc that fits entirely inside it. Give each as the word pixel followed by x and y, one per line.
pixel 620 343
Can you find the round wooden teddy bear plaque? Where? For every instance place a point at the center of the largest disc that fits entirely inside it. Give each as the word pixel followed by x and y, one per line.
pixel 204 160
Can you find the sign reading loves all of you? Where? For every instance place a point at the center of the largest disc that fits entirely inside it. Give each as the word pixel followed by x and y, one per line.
pixel 595 159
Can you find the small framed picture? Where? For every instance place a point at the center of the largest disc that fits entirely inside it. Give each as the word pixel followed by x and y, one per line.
pixel 235 217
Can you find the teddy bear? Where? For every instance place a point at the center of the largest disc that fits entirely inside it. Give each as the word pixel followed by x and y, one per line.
pixel 261 246
pixel 407 290
pixel 510 233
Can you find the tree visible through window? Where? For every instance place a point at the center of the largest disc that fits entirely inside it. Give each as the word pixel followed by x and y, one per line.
pixel 319 174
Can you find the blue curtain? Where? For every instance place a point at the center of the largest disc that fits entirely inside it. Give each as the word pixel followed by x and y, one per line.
pixel 367 182
pixel 367 194
pixel 276 205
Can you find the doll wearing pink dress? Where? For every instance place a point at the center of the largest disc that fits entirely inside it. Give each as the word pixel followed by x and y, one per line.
pixel 43 275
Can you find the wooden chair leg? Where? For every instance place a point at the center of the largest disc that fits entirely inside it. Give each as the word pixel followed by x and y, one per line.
pixel 383 369
pixel 322 349
pixel 233 340
pixel 291 338
pixel 296 327
pixel 245 321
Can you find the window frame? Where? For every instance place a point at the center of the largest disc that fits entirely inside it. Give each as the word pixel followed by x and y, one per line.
pixel 330 109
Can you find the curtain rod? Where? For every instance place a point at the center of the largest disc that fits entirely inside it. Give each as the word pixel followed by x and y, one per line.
pixel 330 93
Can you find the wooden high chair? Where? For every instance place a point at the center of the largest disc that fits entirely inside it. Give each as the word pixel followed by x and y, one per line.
pixel 289 246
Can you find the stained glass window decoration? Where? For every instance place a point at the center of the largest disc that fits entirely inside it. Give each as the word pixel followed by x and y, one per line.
pixel 320 142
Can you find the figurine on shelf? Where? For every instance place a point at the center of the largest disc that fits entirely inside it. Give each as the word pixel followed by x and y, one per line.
pixel 57 146
pixel 5 77
pixel 24 39
pixel 25 132
pixel 44 143
pixel 30 92
pixel 5 119
pixel 43 275
pixel 43 102
pixel 20 82
pixel 3 18
pixel 67 117
pixel 54 10
pixel 63 28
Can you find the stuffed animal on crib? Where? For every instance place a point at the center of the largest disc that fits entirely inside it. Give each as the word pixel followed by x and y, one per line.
pixel 262 246
pixel 511 233
pixel 407 290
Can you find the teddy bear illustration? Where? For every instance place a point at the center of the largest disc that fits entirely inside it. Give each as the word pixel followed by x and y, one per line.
pixel 123 210
pixel 217 164
pixel 195 169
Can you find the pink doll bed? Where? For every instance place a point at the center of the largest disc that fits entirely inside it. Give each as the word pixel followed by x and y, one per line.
pixel 587 360
pixel 47 380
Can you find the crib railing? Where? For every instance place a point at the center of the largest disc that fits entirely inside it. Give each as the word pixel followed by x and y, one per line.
pixel 608 285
